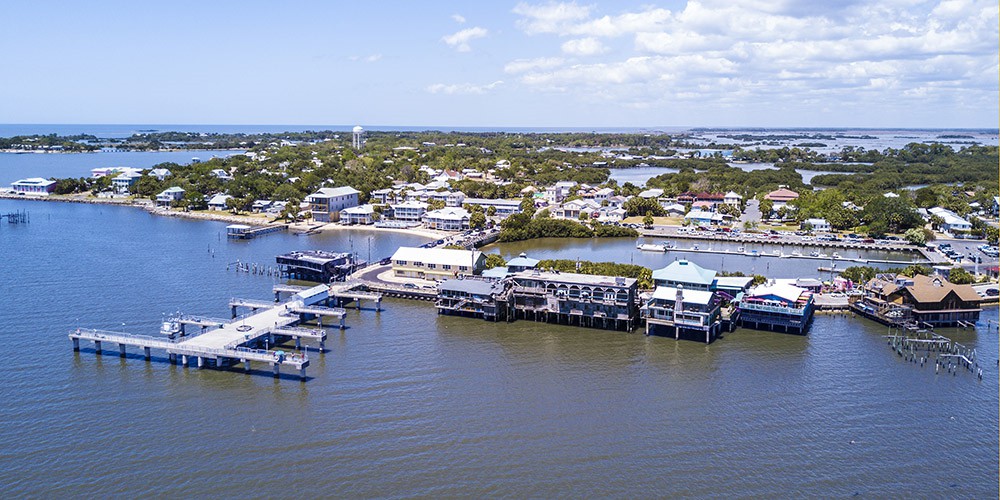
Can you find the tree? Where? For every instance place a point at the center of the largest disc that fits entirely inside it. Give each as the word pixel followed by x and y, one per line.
pixel 960 276
pixel 477 220
pixel 647 221
pixel 727 209
pixel 494 260
pixel 433 204
pixel 766 207
pixel 915 235
pixel 642 206
pixel 491 211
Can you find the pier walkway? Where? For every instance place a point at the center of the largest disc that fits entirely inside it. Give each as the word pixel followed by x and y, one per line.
pixel 225 342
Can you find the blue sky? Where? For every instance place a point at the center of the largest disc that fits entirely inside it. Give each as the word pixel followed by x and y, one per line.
pixel 847 63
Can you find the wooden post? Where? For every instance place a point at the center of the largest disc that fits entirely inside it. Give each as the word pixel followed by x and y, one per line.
pixel 121 350
pixel 146 352
pixel 97 346
pixel 76 344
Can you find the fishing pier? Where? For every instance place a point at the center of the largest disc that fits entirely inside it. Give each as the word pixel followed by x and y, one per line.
pixel 242 339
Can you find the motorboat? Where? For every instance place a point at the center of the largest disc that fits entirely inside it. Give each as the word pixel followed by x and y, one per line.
pixel 171 329
pixel 650 247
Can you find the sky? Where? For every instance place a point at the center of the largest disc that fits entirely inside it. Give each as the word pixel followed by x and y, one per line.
pixel 678 63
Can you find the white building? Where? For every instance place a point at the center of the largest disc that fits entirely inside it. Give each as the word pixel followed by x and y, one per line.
pixel 817 224
pixel 361 214
pixel 732 198
pixel 326 203
pixel 952 221
pixel 218 202
pixel 436 263
pixel 159 173
pixel 168 196
pixel 447 219
pixel 122 182
pixel 34 185
pixel 409 211
pixel 503 207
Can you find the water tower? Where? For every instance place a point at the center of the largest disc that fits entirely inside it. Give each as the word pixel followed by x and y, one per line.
pixel 359 137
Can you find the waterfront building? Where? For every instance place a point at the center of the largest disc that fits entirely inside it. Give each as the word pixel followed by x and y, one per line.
pixel 326 203
pixel 168 196
pixel 576 299
pixel 409 211
pixel 447 219
pixel 361 214
pixel 572 209
pixel 617 201
pixel 683 312
pixel 602 194
pixel 520 263
pixel 122 182
pixel 34 185
pixel 685 274
pixel 218 202
pixel 317 266
pixel 731 286
pixel 777 306
pixel 476 298
pixel 435 263
pixel 260 206
pixel 924 300
pixel 503 207
pixel 559 191
pixel 812 284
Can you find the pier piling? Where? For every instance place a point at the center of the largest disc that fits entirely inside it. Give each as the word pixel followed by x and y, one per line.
pixel 121 350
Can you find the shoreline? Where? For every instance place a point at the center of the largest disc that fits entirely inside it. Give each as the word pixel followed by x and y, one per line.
pixel 298 227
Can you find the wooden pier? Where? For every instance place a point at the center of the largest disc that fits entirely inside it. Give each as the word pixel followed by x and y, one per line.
pixel 226 342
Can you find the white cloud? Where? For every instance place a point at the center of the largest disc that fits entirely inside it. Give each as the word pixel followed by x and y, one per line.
pixel 460 40
pixel 369 58
pixel 523 65
pixel 462 88
pixel 769 52
pixel 584 47
pixel 549 18
pixel 458 18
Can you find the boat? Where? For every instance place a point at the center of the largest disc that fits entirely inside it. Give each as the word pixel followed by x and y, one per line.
pixel 814 253
pixel 650 247
pixel 754 253
pixel 695 247
pixel 796 253
pixel 171 329
pixel 836 255
pixel 741 250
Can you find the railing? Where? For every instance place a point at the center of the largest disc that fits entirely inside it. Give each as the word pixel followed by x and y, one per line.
pixel 749 306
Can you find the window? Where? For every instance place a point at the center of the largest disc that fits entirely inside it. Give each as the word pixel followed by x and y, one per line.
pixel 447 266
pixel 432 266
pixel 400 262
pixel 463 268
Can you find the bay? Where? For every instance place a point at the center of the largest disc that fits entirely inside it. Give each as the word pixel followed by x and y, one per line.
pixel 410 403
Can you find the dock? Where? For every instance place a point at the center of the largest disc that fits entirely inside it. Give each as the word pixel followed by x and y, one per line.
pixel 226 342
pixel 245 232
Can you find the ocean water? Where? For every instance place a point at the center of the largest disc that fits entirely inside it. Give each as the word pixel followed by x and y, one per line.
pixel 409 403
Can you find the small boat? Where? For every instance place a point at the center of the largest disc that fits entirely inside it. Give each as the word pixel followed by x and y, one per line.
pixel 695 247
pixel 836 255
pixel 796 253
pixel 649 247
pixel 170 328
pixel 814 253
pixel 741 250
pixel 754 253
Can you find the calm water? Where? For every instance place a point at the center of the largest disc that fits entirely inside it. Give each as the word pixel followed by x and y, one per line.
pixel 639 175
pixel 624 250
pixel 410 403
pixel 14 166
